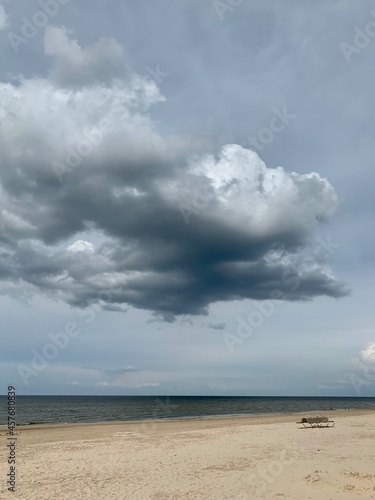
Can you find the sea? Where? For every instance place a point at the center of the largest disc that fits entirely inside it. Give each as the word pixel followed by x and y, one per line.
pixel 73 409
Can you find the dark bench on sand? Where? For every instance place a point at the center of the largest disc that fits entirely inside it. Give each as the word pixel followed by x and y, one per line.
pixel 316 422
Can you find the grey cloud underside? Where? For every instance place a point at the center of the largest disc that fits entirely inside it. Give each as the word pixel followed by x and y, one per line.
pixel 245 241
pixel 217 326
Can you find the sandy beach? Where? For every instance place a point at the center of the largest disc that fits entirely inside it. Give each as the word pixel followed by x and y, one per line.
pixel 213 458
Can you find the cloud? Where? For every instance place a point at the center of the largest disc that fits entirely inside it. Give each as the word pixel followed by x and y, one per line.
pixel 367 355
pixel 102 383
pixel 81 246
pixel 159 316
pixel 121 371
pixel 217 326
pixel 74 66
pixel 113 371
pixel 3 18
pixel 128 377
pixel 92 199
pixel 147 384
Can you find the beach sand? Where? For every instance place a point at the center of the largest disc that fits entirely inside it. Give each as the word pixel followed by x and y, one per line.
pixel 212 458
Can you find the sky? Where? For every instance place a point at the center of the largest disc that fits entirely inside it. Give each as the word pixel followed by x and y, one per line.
pixel 186 197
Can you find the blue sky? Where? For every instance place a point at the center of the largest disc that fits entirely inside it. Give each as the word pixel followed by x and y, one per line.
pixel 186 197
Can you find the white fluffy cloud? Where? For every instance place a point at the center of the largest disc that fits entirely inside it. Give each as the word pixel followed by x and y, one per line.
pixel 367 355
pixel 263 199
pixel 81 246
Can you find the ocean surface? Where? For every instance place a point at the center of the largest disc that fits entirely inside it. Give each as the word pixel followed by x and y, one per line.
pixel 66 409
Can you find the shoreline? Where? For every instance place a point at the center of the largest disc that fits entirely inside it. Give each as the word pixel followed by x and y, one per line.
pixel 211 420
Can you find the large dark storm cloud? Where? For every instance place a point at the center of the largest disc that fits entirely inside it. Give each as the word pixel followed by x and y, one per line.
pixel 97 206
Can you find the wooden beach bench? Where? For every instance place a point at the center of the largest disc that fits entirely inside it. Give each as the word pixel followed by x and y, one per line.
pixel 316 422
